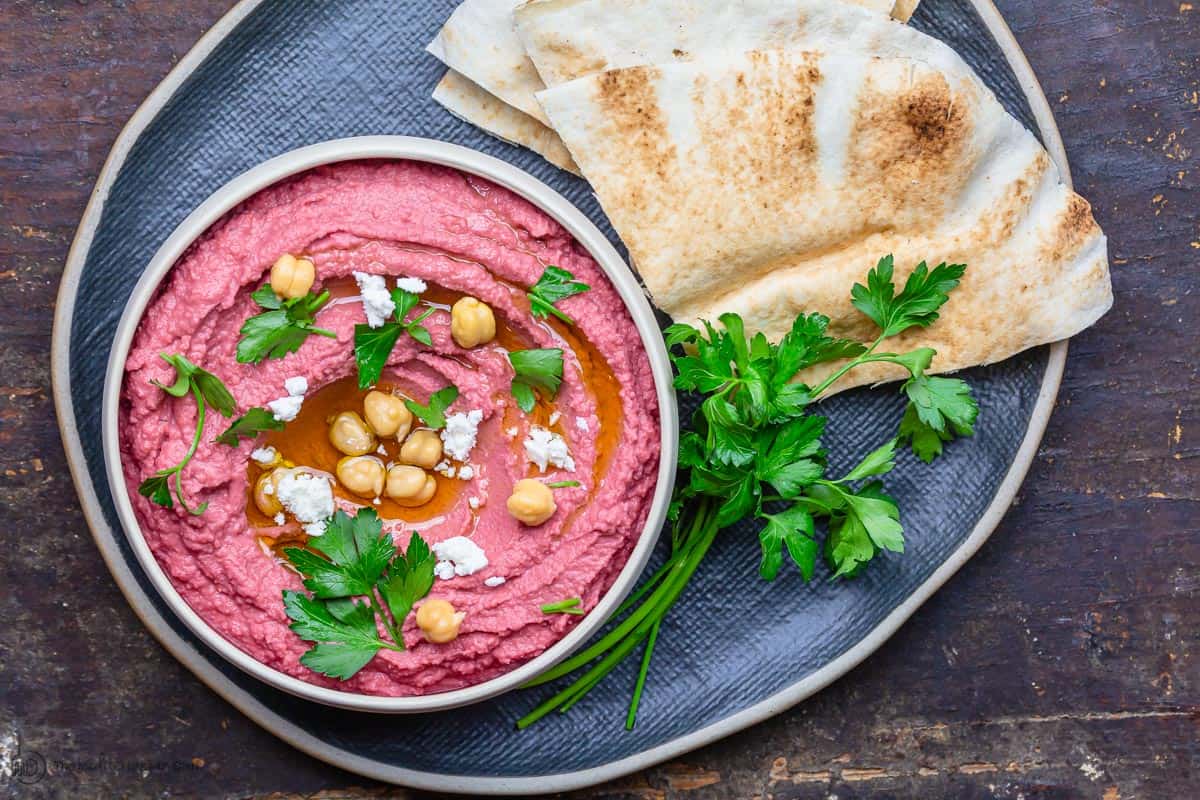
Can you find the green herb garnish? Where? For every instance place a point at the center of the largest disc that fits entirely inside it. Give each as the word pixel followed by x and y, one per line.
pixel 568 606
pixel 755 451
pixel 354 558
pixel 555 284
pixel 372 346
pixel 434 414
pixel 536 370
pixel 563 485
pixel 208 390
pixel 249 426
pixel 282 328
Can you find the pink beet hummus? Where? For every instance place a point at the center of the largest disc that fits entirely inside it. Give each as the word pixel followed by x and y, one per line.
pixel 465 236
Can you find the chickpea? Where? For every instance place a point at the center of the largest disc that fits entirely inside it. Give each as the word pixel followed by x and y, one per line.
pixel 349 434
pixel 410 486
pixel 531 502
pixel 423 448
pixel 292 277
pixel 266 491
pixel 438 621
pixel 472 322
pixel 362 475
pixel 387 414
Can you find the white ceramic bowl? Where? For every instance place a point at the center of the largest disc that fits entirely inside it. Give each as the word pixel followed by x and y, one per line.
pixel 545 198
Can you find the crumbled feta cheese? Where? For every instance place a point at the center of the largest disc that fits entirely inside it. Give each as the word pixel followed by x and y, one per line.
pixel 296 386
pixel 495 580
pixel 555 417
pixel 458 555
pixel 280 518
pixel 414 285
pixel 545 448
pixel 458 437
pixel 473 502
pixel 268 488
pixel 264 455
pixel 581 423
pixel 466 472
pixel 511 432
pixel 309 498
pixel 286 409
pixel 376 299
pixel 381 450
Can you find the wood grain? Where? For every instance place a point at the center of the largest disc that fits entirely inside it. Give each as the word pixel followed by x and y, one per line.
pixel 1060 663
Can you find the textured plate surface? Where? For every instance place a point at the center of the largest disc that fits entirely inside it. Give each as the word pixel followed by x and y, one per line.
pixel 274 76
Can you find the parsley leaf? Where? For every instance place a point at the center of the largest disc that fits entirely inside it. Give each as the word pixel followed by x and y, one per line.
pixel 166 486
pixel 540 370
pixel 281 328
pixel 343 646
pixel 434 414
pixel 372 346
pixel 555 284
pixel 409 578
pixel 249 426
pixel 794 530
pixel 354 558
pixel 924 293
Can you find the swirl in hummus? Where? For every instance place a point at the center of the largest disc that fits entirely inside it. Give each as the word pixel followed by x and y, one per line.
pixel 463 237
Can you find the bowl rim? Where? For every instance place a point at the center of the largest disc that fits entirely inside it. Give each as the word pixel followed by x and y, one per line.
pixel 584 231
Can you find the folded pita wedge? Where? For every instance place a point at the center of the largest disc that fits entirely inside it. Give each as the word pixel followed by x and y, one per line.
pixel 568 39
pixel 768 183
pixel 472 104
pixel 479 42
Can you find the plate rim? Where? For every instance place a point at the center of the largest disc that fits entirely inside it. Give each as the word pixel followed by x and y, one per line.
pixel 265 717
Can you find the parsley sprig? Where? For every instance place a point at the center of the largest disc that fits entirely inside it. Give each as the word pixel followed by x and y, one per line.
pixel 372 346
pixel 535 371
pixel 755 450
pixel 555 284
pixel 434 414
pixel 282 327
pixel 166 486
pixel 249 426
pixel 354 558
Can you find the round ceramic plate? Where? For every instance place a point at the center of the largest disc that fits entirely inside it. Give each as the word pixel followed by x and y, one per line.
pixel 274 76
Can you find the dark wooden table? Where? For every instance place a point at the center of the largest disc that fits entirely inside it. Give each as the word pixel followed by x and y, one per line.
pixel 1062 662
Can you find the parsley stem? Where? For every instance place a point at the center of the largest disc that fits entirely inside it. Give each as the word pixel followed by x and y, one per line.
pixel 680 567
pixel 388 624
pixel 634 630
pixel 323 332
pixel 178 468
pixel 636 701
pixel 861 359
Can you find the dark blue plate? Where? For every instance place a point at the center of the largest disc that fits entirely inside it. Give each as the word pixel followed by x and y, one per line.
pixel 272 77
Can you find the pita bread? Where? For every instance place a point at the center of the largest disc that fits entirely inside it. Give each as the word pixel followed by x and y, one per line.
pixel 768 183
pixel 472 104
pixel 568 39
pixel 478 42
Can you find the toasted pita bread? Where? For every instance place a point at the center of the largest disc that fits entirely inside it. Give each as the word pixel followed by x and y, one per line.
pixel 768 183
pixel 472 104
pixel 568 39
pixel 478 42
